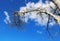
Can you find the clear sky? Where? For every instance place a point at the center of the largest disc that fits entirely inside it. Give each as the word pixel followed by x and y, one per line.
pixel 32 32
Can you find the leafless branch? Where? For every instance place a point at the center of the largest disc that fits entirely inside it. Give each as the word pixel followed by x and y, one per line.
pixel 39 11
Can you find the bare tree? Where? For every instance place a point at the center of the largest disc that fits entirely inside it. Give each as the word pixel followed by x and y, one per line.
pixel 40 11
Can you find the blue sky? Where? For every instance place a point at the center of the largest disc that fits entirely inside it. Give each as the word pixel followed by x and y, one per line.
pixel 8 33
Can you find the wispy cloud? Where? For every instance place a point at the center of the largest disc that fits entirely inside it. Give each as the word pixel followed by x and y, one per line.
pixel 7 19
pixel 33 15
pixel 52 23
pixel 39 32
